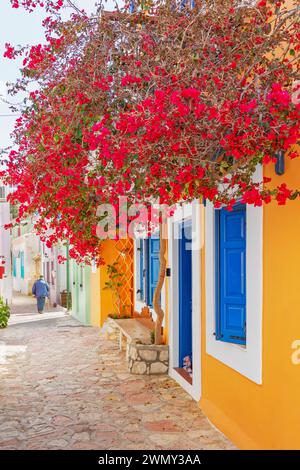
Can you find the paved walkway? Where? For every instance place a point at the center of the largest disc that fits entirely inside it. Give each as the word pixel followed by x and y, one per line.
pixel 64 386
pixel 24 310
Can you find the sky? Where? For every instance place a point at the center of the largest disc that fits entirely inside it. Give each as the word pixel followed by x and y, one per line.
pixel 20 27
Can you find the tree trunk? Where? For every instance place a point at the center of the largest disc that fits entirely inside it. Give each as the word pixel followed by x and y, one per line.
pixel 161 279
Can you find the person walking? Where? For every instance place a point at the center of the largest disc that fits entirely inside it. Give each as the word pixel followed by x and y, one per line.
pixel 41 290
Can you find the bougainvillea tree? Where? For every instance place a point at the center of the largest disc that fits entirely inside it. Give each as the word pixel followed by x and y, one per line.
pixel 160 101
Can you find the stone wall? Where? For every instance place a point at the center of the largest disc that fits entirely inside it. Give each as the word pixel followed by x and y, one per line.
pixel 142 359
pixel 110 330
pixel 147 359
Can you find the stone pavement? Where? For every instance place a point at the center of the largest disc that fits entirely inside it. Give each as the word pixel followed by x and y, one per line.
pixel 24 310
pixel 64 386
pixel 26 304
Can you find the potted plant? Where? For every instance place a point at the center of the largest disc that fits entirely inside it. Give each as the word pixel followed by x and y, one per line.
pixel 4 313
pixel 115 284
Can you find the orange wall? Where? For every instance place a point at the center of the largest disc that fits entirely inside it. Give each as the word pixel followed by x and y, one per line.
pixel 266 416
pixel 95 298
pixel 108 253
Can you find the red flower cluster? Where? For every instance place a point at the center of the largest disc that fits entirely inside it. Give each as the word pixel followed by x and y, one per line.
pixel 153 106
pixel 10 52
pixel 30 5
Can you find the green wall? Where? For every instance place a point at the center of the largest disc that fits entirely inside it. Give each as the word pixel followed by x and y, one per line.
pixel 81 292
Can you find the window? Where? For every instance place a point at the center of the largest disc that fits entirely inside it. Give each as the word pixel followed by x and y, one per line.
pixel 230 236
pixel 152 267
pixel 14 266
pixel 2 192
pixel 245 359
pixel 22 266
pixel 147 269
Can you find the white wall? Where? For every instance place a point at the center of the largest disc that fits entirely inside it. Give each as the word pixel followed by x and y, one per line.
pixel 54 273
pixel 29 244
pixel 186 212
pixel 5 258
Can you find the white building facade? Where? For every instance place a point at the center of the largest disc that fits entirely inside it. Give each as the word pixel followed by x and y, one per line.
pixel 5 247
pixel 26 258
pixel 55 273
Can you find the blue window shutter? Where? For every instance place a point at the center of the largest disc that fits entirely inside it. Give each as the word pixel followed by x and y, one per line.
pixel 152 269
pixel 146 270
pixel 22 265
pixel 231 274
pixel 131 7
pixel 14 266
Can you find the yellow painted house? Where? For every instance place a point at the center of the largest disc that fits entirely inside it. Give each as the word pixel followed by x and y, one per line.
pixel 233 308
pixel 252 395
pixel 232 303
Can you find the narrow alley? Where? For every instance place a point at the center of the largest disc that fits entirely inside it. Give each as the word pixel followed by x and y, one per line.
pixel 24 310
pixel 64 386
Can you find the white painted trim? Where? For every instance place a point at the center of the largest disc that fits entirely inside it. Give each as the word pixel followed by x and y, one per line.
pixel 138 304
pixel 245 360
pixel 188 211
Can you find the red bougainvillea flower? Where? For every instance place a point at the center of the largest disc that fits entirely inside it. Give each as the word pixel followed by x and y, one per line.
pixel 168 103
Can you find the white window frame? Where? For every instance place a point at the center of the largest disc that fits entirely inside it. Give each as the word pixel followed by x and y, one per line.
pixel 138 303
pixel 187 212
pixel 247 360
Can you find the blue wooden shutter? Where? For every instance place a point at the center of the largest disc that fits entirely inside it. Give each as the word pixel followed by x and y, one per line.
pixel 131 7
pixel 14 266
pixel 146 270
pixel 152 271
pixel 22 265
pixel 231 275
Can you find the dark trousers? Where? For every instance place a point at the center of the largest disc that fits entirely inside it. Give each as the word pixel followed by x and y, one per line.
pixel 41 303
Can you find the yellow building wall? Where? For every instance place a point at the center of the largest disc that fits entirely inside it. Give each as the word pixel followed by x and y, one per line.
pixel 265 416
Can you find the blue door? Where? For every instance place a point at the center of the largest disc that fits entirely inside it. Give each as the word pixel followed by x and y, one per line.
pixel 185 293
pixel 153 245
pixel 231 275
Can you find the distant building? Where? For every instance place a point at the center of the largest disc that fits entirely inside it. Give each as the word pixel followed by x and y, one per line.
pixel 26 257
pixel 55 273
pixel 32 258
pixel 5 246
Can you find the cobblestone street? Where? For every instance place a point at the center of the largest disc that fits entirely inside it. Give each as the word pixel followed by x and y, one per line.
pixel 64 386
